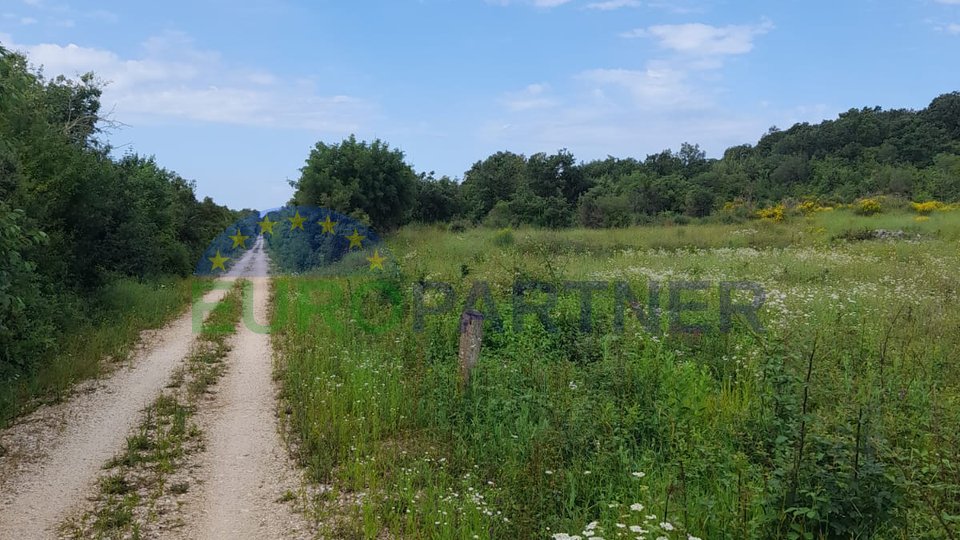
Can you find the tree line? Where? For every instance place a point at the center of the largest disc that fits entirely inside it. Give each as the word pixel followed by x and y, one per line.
pixel 864 152
pixel 73 219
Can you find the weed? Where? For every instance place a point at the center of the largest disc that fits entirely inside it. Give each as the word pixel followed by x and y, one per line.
pixel 567 432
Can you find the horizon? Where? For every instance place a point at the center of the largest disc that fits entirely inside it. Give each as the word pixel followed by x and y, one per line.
pixel 451 83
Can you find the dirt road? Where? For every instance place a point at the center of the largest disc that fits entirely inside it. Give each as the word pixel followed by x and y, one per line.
pixel 56 453
pixel 245 469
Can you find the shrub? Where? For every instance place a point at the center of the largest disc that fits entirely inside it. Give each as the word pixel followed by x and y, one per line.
pixel 504 237
pixel 736 211
pixel 868 206
pixel 774 213
pixel 811 207
pixel 927 208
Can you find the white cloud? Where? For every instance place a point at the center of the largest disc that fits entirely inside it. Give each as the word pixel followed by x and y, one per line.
pixel 703 39
pixel 534 96
pixel 677 7
pixel 657 87
pixel 631 111
pixel 949 28
pixel 23 21
pixel 63 15
pixel 601 125
pixel 610 5
pixel 173 79
pixel 949 2
pixel 537 3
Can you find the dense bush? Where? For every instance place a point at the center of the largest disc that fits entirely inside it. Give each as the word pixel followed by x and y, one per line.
pixel 73 220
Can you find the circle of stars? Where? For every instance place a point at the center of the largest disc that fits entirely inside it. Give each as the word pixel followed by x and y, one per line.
pixel 297 222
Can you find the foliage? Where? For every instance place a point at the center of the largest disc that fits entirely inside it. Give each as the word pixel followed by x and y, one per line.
pixel 868 206
pixel 864 153
pixel 74 221
pixel 436 200
pixel 808 208
pixel 774 213
pixel 927 208
pixel 504 237
pixel 836 422
pixel 353 176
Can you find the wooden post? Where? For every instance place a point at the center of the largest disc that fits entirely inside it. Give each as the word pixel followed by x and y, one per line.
pixel 471 336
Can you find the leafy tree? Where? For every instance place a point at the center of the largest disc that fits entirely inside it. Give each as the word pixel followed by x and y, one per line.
pixel 699 202
pixel 73 219
pixel 356 176
pixel 944 112
pixel 557 175
pixel 490 181
pixel 437 200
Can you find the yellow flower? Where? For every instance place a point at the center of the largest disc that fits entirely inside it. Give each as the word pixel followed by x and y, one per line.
pixel 774 213
pixel 868 207
pixel 926 208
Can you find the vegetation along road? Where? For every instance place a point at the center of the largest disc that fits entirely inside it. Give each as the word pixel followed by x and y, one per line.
pixel 543 348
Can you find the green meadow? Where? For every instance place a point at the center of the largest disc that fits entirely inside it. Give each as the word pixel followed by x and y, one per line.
pixel 837 419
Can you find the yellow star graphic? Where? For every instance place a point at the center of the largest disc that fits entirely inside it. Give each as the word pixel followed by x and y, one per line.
pixel 328 225
pixel 355 240
pixel 376 261
pixel 218 262
pixel 266 226
pixel 239 241
pixel 296 222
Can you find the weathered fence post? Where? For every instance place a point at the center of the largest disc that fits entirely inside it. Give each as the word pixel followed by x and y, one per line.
pixel 471 336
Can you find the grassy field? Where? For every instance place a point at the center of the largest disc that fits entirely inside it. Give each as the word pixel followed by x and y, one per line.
pixel 839 420
pixel 122 310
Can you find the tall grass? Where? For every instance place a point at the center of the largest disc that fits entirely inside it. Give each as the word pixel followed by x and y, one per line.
pixel 118 314
pixel 833 423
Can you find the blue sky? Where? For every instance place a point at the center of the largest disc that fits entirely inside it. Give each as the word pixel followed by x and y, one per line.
pixel 234 94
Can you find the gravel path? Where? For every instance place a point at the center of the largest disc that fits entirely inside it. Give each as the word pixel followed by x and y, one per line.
pixel 246 470
pixel 55 453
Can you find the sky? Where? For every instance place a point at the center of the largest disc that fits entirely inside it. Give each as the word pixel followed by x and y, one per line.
pixel 233 95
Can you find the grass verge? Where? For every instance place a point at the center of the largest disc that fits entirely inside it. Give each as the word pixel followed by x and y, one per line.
pixel 124 309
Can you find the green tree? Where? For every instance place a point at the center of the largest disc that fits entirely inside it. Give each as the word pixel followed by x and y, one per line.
pixel 354 176
pixel 490 181
pixel 73 219
pixel 437 200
